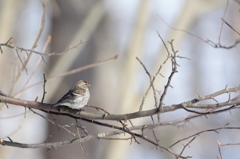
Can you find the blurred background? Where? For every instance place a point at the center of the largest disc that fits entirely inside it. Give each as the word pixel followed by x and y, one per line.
pixel 129 29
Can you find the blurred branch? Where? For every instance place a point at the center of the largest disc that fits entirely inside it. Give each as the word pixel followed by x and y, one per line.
pixel 224 14
pixel 42 23
pixel 207 41
pixel 68 73
pixel 40 53
pixel 49 38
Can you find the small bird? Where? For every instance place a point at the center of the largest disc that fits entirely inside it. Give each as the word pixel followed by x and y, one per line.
pixel 77 97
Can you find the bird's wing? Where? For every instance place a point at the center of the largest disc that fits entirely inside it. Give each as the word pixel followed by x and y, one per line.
pixel 65 98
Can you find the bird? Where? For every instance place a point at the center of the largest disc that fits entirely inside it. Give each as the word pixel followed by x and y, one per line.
pixel 77 97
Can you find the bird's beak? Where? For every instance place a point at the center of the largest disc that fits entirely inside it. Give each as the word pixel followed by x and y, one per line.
pixel 89 85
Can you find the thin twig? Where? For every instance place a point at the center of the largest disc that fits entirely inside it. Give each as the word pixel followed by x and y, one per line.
pixel 208 130
pixel 54 123
pixel 21 61
pixel 151 86
pixel 218 142
pixel 39 61
pixel 230 26
pixel 98 108
pixel 42 53
pixel 174 70
pixel 207 41
pixel 184 147
pixel 224 14
pixel 79 136
pixel 44 91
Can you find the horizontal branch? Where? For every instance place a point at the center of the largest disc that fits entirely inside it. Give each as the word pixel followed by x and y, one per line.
pixel 70 141
pixel 45 145
pixel 80 114
pixel 77 114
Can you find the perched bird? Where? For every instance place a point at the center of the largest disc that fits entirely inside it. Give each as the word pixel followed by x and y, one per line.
pixel 77 97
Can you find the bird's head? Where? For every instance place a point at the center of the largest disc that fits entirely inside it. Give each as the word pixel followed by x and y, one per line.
pixel 83 84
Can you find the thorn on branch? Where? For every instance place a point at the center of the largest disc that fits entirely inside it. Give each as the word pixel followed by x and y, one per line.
pixel 10 139
pixel 49 136
pixel 44 91
pixel 8 40
pixel 3 94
